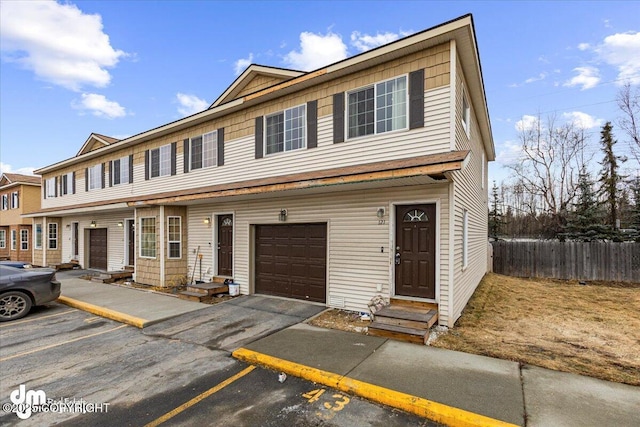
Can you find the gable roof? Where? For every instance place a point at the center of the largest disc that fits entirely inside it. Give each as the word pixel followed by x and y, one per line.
pixel 460 31
pixel 96 139
pixel 252 71
pixel 11 179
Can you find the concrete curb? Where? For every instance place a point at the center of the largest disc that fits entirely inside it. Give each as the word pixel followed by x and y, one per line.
pixel 104 312
pixel 435 411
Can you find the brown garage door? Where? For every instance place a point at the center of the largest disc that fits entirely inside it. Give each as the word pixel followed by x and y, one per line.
pixel 291 261
pixel 98 248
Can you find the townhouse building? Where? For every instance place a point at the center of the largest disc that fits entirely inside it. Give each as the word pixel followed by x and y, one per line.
pixel 19 194
pixel 365 177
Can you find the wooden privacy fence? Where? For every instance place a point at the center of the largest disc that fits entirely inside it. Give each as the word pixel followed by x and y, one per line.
pixel 607 261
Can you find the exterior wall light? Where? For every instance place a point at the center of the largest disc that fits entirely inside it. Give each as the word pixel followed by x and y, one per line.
pixel 283 215
pixel 380 213
pixel 207 220
pixel 93 224
pixel 120 224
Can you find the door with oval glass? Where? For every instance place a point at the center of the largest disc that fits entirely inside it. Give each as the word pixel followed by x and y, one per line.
pixel 225 245
pixel 415 272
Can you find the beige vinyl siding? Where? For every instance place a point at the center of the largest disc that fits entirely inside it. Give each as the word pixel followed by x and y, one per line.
pixel 259 82
pixel 240 163
pixel 469 195
pixel 355 264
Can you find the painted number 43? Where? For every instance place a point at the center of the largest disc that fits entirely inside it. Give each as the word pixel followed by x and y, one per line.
pixel 336 404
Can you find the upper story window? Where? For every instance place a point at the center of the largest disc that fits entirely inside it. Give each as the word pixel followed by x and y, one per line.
pixel 161 161
pixel 466 114
pixel 15 200
pixel 5 202
pixel 95 176
pixel 67 184
pixel 378 108
pixel 50 187
pixel 286 130
pixel 120 172
pixel 204 151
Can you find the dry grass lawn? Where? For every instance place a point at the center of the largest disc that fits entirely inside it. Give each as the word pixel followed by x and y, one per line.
pixel 591 329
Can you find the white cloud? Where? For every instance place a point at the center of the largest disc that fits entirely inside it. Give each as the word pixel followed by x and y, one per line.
pixel 99 106
pixel 509 152
pixel 316 50
pixel 60 43
pixel 364 42
pixel 190 104
pixel 588 77
pixel 537 78
pixel 526 123
pixel 7 168
pixel 241 64
pixel 622 51
pixel 584 46
pixel 582 120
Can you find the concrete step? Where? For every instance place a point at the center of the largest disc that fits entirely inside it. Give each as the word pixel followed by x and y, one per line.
pixel 402 333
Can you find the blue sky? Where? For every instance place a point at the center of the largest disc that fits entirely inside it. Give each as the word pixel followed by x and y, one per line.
pixel 119 68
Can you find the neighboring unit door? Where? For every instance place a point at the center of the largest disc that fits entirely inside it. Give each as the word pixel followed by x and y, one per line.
pixel 75 240
pixel 225 245
pixel 98 248
pixel 291 261
pixel 131 243
pixel 415 256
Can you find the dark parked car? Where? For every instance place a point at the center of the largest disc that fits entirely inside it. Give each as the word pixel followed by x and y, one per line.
pixel 16 264
pixel 20 289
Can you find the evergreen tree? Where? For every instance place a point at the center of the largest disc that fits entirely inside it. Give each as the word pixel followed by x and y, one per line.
pixel 495 214
pixel 584 221
pixel 635 209
pixel 610 177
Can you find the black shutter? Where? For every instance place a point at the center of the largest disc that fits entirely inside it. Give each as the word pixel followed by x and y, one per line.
pixel 416 99
pixel 312 124
pixel 185 156
pixel 102 175
pixel 111 173
pixel 56 186
pixel 44 188
pixel 338 117
pixel 130 168
pixel 86 179
pixel 146 165
pixel 221 147
pixel 73 183
pixel 259 138
pixel 173 157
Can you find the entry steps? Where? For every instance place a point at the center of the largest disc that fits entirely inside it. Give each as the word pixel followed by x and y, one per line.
pixel 112 276
pixel 198 291
pixel 405 320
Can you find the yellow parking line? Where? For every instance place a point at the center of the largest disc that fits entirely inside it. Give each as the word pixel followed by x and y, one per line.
pixel 59 344
pixel 20 322
pixel 200 397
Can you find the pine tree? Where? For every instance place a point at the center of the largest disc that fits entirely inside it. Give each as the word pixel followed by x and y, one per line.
pixel 495 214
pixel 610 178
pixel 585 221
pixel 635 210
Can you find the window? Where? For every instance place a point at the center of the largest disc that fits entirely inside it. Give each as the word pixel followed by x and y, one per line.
pixel 67 184
pixel 174 232
pixel 378 108
pixel 204 150
pixel 14 240
pixel 15 200
pixel 24 240
pixel 53 236
pixel 161 161
pixel 95 177
pixel 3 239
pixel 287 130
pixel 465 238
pixel 5 202
pixel 38 237
pixel 120 172
pixel 466 114
pixel 50 185
pixel 148 237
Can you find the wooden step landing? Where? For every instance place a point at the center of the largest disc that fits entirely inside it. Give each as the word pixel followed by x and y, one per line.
pixel 408 321
pixel 208 289
pixel 112 276
pixel 191 296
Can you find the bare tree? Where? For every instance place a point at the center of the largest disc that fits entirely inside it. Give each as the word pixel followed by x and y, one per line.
pixel 629 103
pixel 553 153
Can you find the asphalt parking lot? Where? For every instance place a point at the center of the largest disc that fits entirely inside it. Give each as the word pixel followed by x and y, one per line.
pixel 121 375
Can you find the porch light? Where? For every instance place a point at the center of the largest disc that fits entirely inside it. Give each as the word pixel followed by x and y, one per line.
pixel 283 215
pixel 93 224
pixel 380 213
pixel 120 224
pixel 207 220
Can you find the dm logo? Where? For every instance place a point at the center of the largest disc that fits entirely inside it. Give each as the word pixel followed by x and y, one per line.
pixel 26 400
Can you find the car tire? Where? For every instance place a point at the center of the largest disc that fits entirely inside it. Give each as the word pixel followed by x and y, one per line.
pixel 14 305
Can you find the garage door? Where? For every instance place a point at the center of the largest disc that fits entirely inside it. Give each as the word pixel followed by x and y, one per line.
pixel 291 261
pixel 98 248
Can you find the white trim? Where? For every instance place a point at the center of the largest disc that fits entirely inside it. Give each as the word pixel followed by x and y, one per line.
pixel 169 241
pixel 3 242
pixel 139 238
pixel 453 65
pixel 45 249
pixel 466 113
pixel 284 141
pixel 24 230
pixel 465 239
pixel 126 224
pixel 392 246
pixel 162 246
pixel 135 252
pixel 452 253
pixel 75 225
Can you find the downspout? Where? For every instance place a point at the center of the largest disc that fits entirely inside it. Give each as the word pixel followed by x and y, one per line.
pixel 162 247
